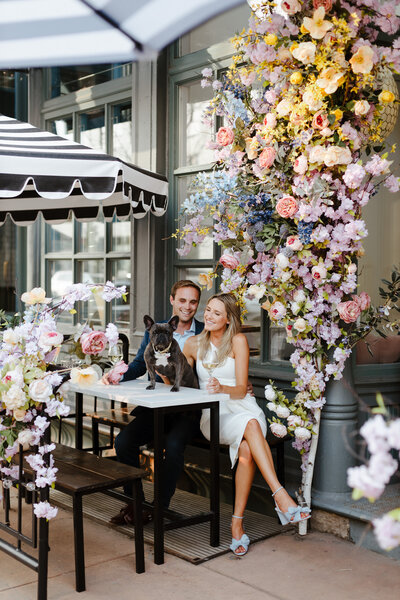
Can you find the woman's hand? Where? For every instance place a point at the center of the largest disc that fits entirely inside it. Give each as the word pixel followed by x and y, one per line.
pixel 213 386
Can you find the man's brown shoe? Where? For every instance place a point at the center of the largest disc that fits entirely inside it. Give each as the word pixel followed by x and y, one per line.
pixel 126 516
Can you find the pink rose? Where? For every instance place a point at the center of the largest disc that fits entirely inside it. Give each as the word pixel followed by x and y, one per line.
pixel 225 136
pixel 320 120
pixel 93 342
pixel 270 120
pixel 287 206
pixel 115 374
pixel 228 261
pixel 277 311
pixel 267 157
pixel 363 300
pixel 349 311
pixel 327 4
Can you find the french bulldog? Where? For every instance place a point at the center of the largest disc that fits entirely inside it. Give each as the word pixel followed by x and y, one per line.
pixel 163 355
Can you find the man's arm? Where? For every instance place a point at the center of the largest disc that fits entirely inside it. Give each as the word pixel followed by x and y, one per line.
pixel 137 367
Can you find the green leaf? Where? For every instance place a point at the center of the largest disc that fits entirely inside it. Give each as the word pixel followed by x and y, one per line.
pixel 331 119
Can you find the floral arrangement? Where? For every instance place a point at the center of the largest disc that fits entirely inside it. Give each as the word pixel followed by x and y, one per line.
pixel 306 94
pixel 31 383
pixel 381 434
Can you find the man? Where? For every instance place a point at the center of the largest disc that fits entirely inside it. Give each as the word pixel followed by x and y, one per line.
pixel 180 428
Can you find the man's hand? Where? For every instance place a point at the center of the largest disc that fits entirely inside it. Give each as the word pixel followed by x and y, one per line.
pixel 165 379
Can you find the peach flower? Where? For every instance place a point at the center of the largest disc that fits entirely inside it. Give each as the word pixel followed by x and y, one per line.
pixel 361 61
pixel 206 280
pixel 267 157
pixel 225 136
pixel 349 311
pixel 84 377
pixel 35 296
pixel 317 27
pixel 304 52
pixel 287 206
pixel 330 79
pixel 327 4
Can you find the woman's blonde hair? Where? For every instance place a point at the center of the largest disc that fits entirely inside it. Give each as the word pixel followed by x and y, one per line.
pixel 233 327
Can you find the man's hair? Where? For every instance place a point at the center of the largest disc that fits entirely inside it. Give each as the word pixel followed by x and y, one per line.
pixel 182 284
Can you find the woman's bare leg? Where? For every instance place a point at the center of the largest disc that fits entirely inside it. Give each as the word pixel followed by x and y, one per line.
pixel 261 453
pixel 243 481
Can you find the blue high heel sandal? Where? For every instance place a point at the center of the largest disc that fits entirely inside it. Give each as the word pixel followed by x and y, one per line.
pixel 293 514
pixel 244 541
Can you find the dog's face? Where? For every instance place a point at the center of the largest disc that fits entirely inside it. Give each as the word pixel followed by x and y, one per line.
pixel 161 334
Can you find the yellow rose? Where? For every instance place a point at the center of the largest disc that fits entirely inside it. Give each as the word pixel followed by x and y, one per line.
pixel 296 78
pixel 386 96
pixel 271 39
pixel 205 279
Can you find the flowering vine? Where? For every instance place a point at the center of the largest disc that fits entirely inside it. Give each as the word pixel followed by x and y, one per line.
pixel 308 90
pixel 31 382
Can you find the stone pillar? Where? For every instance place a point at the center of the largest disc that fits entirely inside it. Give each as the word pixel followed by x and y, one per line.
pixel 336 448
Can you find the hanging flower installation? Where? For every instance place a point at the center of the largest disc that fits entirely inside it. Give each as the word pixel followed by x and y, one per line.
pixel 307 93
pixel 30 380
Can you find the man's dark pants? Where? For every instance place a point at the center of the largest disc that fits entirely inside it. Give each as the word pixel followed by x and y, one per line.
pixel 179 428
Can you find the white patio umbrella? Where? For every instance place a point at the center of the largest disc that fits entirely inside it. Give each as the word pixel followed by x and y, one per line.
pixel 44 173
pixel 44 33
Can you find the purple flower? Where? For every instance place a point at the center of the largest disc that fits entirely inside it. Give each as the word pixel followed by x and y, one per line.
pixel 387 532
pixel 43 510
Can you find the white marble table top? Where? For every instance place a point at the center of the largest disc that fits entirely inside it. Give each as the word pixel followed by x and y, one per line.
pixel 135 393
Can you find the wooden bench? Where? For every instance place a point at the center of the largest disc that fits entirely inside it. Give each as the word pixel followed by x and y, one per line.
pixel 79 474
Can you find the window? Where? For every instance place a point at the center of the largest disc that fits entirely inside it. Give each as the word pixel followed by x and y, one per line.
pixel 90 253
pixel 189 138
pixel 64 80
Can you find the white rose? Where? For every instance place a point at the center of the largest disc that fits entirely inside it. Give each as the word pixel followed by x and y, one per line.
pixel 317 154
pixel 295 421
pixel 312 102
pixel 302 434
pixel 300 324
pixel 35 296
pixel 299 296
pixel 282 261
pixel 319 273
pixel 269 393
pixel 282 411
pixel 11 337
pixel 271 407
pixel 40 390
pixel 336 155
pixel 278 430
pixel 256 291
pixel 284 108
pixel 352 268
pixel 25 437
pixel 13 398
pixel 304 52
pixel 51 339
pixel 361 107
pixel 16 376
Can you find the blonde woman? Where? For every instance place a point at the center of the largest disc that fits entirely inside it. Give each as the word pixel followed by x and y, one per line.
pixel 242 422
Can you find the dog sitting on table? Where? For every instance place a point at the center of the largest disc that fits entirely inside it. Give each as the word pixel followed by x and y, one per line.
pixel 164 356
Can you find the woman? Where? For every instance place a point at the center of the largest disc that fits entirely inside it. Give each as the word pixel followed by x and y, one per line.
pixel 242 422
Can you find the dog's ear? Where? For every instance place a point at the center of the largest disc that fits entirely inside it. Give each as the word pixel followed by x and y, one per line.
pixel 173 322
pixel 148 322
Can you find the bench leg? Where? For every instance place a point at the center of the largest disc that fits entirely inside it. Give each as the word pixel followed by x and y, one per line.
pixel 139 540
pixel 80 584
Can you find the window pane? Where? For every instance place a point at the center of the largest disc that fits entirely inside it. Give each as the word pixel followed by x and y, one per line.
pixel 92 129
pixel 121 275
pixel 62 127
pixel 252 326
pixel 204 250
pixel 193 273
pixel 91 238
pixel 8 260
pixel 279 349
pixel 59 237
pixel 91 271
pixel 64 80
pixel 122 131
pixel 59 278
pixel 193 134
pixel 215 30
pixel 121 236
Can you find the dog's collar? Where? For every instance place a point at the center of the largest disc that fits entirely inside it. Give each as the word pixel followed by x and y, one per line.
pixel 160 352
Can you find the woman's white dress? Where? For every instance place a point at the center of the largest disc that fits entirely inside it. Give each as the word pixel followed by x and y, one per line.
pixel 233 414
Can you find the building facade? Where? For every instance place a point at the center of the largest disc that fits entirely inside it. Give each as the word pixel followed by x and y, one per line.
pixel 150 114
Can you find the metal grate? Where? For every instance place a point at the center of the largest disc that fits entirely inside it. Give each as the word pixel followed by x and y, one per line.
pixel 189 543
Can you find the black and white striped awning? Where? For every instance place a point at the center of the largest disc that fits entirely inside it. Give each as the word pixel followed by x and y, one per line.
pixel 44 173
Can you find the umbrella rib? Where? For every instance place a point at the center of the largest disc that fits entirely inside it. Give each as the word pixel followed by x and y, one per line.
pixel 113 23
